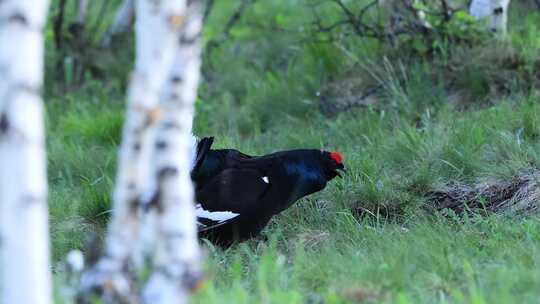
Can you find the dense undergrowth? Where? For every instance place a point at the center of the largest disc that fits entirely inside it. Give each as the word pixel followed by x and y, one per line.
pixel 463 113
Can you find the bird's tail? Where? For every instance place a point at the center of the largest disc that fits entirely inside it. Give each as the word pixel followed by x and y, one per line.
pixel 203 146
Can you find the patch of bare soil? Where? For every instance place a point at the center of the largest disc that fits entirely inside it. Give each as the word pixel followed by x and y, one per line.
pixel 312 239
pixel 473 77
pixel 520 194
pixel 356 88
pixel 365 294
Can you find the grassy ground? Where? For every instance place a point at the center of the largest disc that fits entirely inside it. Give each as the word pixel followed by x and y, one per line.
pixel 366 238
pixel 324 249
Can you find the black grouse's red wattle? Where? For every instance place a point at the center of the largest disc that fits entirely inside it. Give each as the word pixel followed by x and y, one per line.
pixel 238 194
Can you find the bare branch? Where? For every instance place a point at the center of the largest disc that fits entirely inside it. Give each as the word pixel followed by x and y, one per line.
pixel 233 20
pixel 208 10
pixel 356 21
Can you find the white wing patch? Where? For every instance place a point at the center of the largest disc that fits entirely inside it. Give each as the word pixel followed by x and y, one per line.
pixel 265 179
pixel 216 216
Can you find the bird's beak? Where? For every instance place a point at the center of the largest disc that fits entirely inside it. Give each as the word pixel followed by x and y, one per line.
pixel 342 168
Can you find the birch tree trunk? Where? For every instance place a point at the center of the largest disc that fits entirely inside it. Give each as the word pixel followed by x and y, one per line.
pixel 176 258
pixel 25 264
pixel 496 11
pixel 123 18
pixel 82 11
pixel 153 213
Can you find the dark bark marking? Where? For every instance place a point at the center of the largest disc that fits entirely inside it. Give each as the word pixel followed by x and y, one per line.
pixel 28 200
pixel 137 146
pixel 133 205
pixel 170 125
pixel 185 40
pixel 27 88
pixel 161 145
pixel 192 279
pixel 18 18
pixel 93 249
pixel 175 96
pixel 166 273
pixel 498 10
pixel 175 235
pixel 190 276
pixel 154 202
pixel 175 79
pixel 4 123
pixel 166 172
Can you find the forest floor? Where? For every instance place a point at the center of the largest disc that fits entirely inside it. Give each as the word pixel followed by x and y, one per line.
pixel 367 238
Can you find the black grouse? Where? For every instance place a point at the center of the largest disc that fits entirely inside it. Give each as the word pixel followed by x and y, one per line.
pixel 237 194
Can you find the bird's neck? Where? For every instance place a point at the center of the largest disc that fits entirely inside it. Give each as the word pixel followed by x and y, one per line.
pixel 305 171
pixel 304 178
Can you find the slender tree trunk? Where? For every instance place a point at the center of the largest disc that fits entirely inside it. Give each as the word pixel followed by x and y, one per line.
pixel 25 264
pixel 496 11
pixel 153 187
pixel 123 19
pixel 123 238
pixel 176 258
pixel 58 27
pixel 78 29
pixel 82 11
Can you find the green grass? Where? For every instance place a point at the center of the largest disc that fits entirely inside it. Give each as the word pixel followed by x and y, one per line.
pixel 322 250
pixel 366 238
pixel 478 260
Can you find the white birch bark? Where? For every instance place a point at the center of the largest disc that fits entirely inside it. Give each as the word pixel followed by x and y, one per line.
pixel 25 264
pixel 123 237
pixel 124 17
pixel 177 255
pixel 153 200
pixel 82 11
pixel 495 11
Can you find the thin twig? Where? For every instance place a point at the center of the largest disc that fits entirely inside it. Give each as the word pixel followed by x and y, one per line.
pixel 233 20
pixel 356 21
pixel 208 10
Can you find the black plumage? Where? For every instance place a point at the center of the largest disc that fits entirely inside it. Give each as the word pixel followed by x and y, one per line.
pixel 238 194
